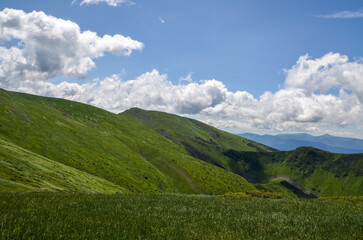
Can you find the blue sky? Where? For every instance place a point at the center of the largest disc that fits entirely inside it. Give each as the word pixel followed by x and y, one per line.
pixel 246 45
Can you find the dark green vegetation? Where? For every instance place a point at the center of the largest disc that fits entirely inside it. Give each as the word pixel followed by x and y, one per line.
pixel 58 145
pixel 168 216
pixel 317 172
pixel 345 199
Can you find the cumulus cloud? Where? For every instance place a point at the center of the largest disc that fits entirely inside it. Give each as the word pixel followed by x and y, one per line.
pixel 151 90
pixel 331 71
pixel 228 124
pixel 302 105
pixel 113 3
pixel 344 14
pixel 304 101
pixel 50 46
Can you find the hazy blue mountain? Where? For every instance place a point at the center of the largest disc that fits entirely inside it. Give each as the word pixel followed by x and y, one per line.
pixel 287 142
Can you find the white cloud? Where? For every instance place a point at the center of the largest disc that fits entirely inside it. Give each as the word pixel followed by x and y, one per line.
pixel 302 105
pixel 233 125
pixel 161 20
pixel 344 14
pixel 151 90
pixel 331 71
pixel 188 78
pixel 113 3
pixel 51 46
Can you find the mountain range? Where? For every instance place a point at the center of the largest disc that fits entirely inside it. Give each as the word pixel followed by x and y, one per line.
pixel 49 144
pixel 287 142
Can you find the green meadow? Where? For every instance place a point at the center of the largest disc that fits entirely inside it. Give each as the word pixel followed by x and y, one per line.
pixel 174 216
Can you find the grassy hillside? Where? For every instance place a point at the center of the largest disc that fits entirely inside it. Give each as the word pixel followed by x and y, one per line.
pixel 22 170
pixel 315 171
pixel 200 140
pixel 97 150
pixel 59 145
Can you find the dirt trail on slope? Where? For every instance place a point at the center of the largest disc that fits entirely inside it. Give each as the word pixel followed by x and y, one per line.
pixel 184 174
pixel 293 182
pixel 187 177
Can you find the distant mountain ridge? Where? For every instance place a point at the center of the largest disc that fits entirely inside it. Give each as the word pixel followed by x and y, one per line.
pixel 288 142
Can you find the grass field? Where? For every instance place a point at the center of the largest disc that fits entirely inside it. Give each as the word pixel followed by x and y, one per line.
pixel 173 216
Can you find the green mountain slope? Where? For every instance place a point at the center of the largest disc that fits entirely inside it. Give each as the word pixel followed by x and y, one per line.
pixel 315 171
pixel 22 170
pixel 200 140
pixel 59 145
pixel 119 151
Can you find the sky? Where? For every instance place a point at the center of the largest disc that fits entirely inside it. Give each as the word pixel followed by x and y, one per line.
pixel 265 67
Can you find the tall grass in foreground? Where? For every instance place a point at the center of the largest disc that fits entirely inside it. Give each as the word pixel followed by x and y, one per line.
pixel 167 216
